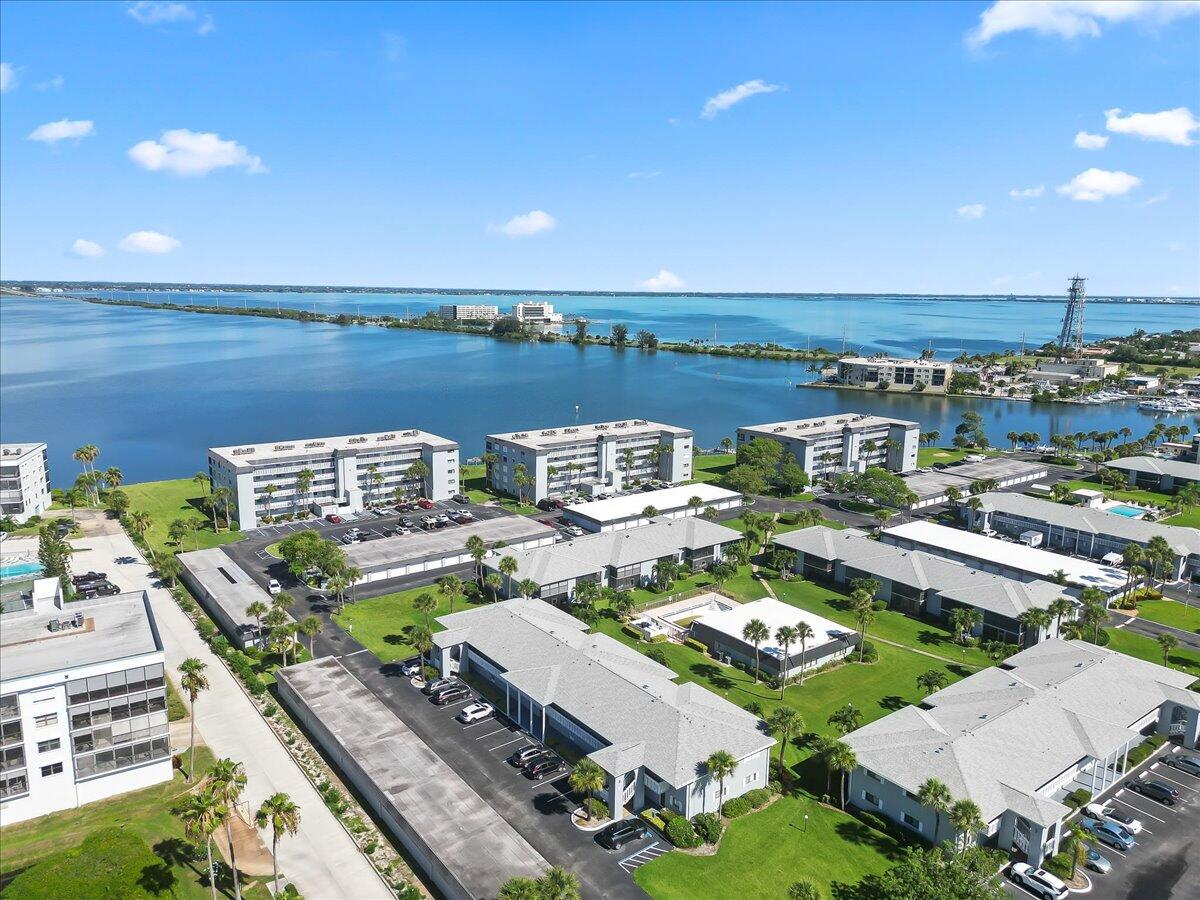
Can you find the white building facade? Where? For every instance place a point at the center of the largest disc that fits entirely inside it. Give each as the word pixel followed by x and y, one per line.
pixel 531 312
pixel 469 312
pixel 595 459
pixel 24 481
pixel 844 443
pixel 83 706
pixel 346 473
pixel 898 374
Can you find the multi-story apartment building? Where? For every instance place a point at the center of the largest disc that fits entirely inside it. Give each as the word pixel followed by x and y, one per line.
pixel 844 443
pixel 343 474
pixel 83 705
pixel 24 480
pixel 595 459
pixel 534 313
pixel 468 312
pixel 898 374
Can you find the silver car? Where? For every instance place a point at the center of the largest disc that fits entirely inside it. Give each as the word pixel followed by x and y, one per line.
pixel 1096 862
pixel 1185 763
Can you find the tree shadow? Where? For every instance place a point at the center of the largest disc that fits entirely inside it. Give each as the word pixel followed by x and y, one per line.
pixel 856 832
pixel 893 702
pixel 713 675
pixel 157 879
pixel 960 670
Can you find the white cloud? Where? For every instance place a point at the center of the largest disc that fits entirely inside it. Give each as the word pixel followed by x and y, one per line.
pixel 654 173
pixel 1086 141
pixel 971 211
pixel 533 222
pixel 1096 184
pixel 1157 198
pixel 207 27
pixel 725 99
pixel 86 249
pixel 51 84
pixel 1174 126
pixel 394 47
pixel 8 77
pixel 62 130
pixel 665 280
pixel 1027 193
pixel 184 152
pixel 1073 18
pixel 148 242
pixel 157 12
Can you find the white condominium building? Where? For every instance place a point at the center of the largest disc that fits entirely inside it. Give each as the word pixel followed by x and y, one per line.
pixel 468 312
pixel 83 706
pixel 898 374
pixel 24 480
pixel 536 313
pixel 595 459
pixel 345 473
pixel 845 443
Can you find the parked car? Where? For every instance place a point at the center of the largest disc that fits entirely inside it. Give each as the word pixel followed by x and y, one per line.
pixel 541 768
pixel 425 504
pixel 451 695
pixel 99 589
pixel 573 530
pixel 618 834
pixel 334 519
pixel 411 666
pixel 525 755
pixel 407 522
pixel 461 498
pixel 1156 790
pixel 438 684
pixel 274 587
pixel 1096 862
pixel 88 576
pixel 1112 814
pixel 1037 881
pixel 428 521
pixel 475 712
pixel 1185 763
pixel 1108 833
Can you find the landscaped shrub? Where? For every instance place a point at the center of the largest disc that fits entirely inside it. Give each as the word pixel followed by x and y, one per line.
pixel 682 834
pixel 879 605
pixel 1078 798
pixel 1144 750
pixel 738 806
pixel 596 808
pixel 659 639
pixel 220 645
pixel 708 826
pixel 206 628
pixel 869 653
pixel 757 797
pixel 754 708
pixel 695 645
pixel 668 814
pixel 632 632
pixel 649 816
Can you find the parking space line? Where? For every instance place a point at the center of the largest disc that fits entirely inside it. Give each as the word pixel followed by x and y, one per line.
pixel 1165 777
pixel 1177 771
pixel 490 720
pixel 1140 810
pixel 494 733
pixel 519 737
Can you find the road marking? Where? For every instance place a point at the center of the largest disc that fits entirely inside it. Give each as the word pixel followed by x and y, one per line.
pixel 1166 777
pixel 490 720
pixel 493 733
pixel 1139 809
pixel 1177 771
pixel 356 652
pixel 519 737
pixel 634 860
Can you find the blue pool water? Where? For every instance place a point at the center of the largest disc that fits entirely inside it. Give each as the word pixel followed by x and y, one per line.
pixel 1128 512
pixel 20 570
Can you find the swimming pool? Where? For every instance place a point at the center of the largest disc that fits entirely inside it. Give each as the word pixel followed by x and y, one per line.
pixel 20 570
pixel 1129 512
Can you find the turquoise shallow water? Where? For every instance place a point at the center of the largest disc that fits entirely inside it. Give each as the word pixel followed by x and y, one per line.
pixel 154 389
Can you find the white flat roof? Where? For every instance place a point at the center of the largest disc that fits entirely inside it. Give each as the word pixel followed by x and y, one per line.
pixel 543 438
pixel 1043 563
pixel 774 614
pixel 17 452
pixel 247 454
pixel 896 361
pixel 824 425
pixel 665 501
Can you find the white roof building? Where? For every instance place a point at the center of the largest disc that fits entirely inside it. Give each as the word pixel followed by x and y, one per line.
pixel 628 511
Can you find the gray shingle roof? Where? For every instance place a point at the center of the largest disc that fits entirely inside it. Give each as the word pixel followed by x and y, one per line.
pixel 1177 467
pixel 612 689
pixel 954 581
pixel 1000 735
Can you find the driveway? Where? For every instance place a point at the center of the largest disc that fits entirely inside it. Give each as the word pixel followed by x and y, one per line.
pixel 1153 629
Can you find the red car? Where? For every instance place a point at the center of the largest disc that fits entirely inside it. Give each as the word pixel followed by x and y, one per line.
pixel 334 518
pixel 425 504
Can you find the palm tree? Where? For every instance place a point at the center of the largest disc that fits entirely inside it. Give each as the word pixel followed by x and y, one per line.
pixel 627 462
pixel 881 517
pixel 478 550
pixel 218 498
pixel 270 490
pixel 304 480
pixel 337 586
pixel 528 588
pixel 784 722
pixel 519 888
pixel 520 473
pixel 720 765
pixel 967 819
pixel 935 797
pixel 311 626
pixel 932 680
pixel 694 503
pixel 755 632
pixel 1059 609
pixel 140 522
pixel 113 477
pixel 786 635
pixel 283 816
pixel 374 480
pixel 559 884
pixel 839 757
pixel 1034 620
pixel 256 609
pixel 587 778
pixel 192 681
pixel 228 780
pixel 170 568
pixel 425 603
pixel 803 890
pixel 202 814
pixel 650 511
pixel 803 633
pixel 508 568
pixel 421 639
pixel 450 587
pixel 203 481
pixel 493 582
pixel 845 718
pixel 1167 642
pixel 864 614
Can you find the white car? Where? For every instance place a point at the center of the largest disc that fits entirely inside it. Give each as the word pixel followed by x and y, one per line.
pixel 475 712
pixel 1114 815
pixel 274 587
pixel 1038 882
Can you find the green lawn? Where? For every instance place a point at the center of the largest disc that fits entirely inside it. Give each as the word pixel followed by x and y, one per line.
pixel 1171 612
pixel 167 501
pixel 1135 496
pixel 743 586
pixel 1125 641
pixel 927 456
pixel 381 624
pixel 475 486
pixel 1189 518
pixel 711 467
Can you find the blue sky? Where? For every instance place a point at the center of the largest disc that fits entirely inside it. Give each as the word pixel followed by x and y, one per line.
pixel 869 147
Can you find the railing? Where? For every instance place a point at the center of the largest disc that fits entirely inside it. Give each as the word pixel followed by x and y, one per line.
pixel 1176 728
pixel 1021 840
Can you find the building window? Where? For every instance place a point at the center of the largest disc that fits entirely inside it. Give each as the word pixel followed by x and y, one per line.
pixel 47 746
pixel 45 720
pixel 872 799
pixel 52 769
pixel 752 777
pixel 872 775
pixel 911 821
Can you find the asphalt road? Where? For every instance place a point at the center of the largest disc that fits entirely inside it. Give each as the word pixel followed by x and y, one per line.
pixel 1154 629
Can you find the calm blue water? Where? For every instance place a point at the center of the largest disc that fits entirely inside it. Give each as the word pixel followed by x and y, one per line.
pixel 1129 512
pixel 19 570
pixel 154 389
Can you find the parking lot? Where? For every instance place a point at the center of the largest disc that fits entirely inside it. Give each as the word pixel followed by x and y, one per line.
pixel 1164 862
pixel 539 810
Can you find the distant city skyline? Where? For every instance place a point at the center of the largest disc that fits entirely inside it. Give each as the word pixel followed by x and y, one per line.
pixel 972 148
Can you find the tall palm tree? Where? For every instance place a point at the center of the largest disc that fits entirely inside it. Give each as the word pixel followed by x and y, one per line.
pixel 421 639
pixel 508 567
pixel 520 888
pixel 140 522
pixel 337 585
pixel 203 481
pixel 270 490
pixel 755 632
pixel 478 550
pixel 424 603
pixel 202 814
pixel 845 718
pixel 587 778
pixel 559 884
pixel 113 477
pixel 228 779
pixel 839 757
pixel 803 633
pixel 967 819
pixel 1060 609
pixel 627 462
pixel 1034 621
pixel 418 471
pixel 283 817
pixel 720 765
pixel 786 635
pixel 193 682
pixel 494 583
pixel 935 797
pixel 256 609
pixel 784 722
pixel 863 606
pixel 1167 642
pixel 304 480
pixel 528 588
pixel 311 626
pixel 450 587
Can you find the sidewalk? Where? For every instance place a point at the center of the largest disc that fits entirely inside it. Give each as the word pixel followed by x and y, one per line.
pixel 320 858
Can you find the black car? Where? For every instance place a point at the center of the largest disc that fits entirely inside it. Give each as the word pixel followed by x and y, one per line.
pixel 451 695
pixel 525 755
pixel 543 766
pixel 89 576
pixel 99 589
pixel 618 834
pixel 461 498
pixel 1155 790
pixel 439 684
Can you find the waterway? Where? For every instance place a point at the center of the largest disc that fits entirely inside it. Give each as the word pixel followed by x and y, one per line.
pixel 154 389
